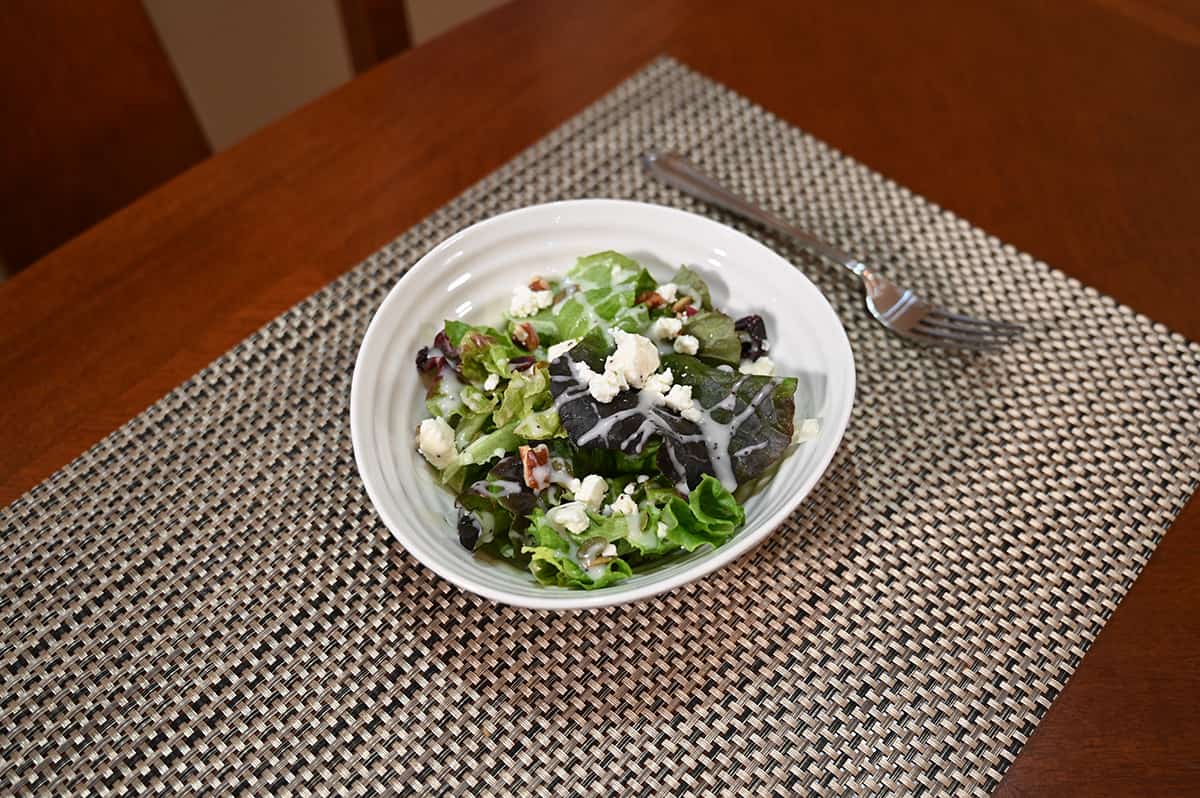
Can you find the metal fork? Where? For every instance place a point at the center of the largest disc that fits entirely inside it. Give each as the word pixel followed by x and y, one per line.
pixel 898 309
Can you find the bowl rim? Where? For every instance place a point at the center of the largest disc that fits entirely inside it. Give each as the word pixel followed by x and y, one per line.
pixel 614 595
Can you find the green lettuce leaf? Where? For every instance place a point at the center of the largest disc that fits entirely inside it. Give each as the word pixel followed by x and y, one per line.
pixel 482 350
pixel 528 402
pixel 598 270
pixel 609 284
pixel 600 308
pixel 454 475
pixel 694 286
pixel 496 444
pixel 553 567
pixel 499 501
pixel 624 424
pixel 489 446
pixel 476 400
pixel 709 515
pixel 613 462
pixel 544 324
pixel 633 319
pixel 456 331
pixel 446 401
pixel 541 533
pixel 527 392
pixel 468 428
pixel 718 339
pixel 540 426
pixel 554 554
pixel 638 537
pixel 761 414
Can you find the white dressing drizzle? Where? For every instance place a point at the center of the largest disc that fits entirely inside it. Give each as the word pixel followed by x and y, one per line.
pixel 507 487
pixel 745 450
pixel 559 475
pixel 449 395
pixel 716 435
pixel 589 311
pixel 604 426
pixel 634 521
pixel 541 474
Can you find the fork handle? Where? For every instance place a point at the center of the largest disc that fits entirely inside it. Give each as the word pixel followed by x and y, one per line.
pixel 675 170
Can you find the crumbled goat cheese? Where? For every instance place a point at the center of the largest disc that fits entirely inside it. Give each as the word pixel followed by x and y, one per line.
pixel 591 491
pixel 687 345
pixel 623 505
pixel 636 358
pixel 582 371
pixel 668 291
pixel 763 367
pixel 435 440
pixel 526 303
pixel 807 430
pixel 561 348
pixel 658 385
pixel 491 382
pixel 571 516
pixel 609 551
pixel 679 398
pixel 604 387
pixel 666 328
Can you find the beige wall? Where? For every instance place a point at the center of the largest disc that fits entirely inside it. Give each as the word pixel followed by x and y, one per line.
pixel 428 18
pixel 244 63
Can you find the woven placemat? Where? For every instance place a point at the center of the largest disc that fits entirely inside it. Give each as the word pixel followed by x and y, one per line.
pixel 206 601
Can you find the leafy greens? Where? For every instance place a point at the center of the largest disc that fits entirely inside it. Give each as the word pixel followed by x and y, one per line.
pixel 584 485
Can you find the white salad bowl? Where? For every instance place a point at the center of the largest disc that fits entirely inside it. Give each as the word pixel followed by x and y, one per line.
pixel 471 275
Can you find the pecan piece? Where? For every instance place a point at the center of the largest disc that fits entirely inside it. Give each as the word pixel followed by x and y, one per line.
pixel 525 336
pixel 538 284
pixel 681 303
pixel 651 299
pixel 535 460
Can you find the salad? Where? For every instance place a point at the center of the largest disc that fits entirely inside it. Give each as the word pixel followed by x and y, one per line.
pixel 607 423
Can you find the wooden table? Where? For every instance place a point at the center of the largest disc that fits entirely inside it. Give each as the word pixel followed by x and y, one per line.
pixel 1070 129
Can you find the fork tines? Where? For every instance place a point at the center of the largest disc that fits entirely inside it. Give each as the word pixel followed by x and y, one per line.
pixel 943 328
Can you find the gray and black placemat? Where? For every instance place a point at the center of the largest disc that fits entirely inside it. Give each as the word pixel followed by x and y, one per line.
pixel 205 601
